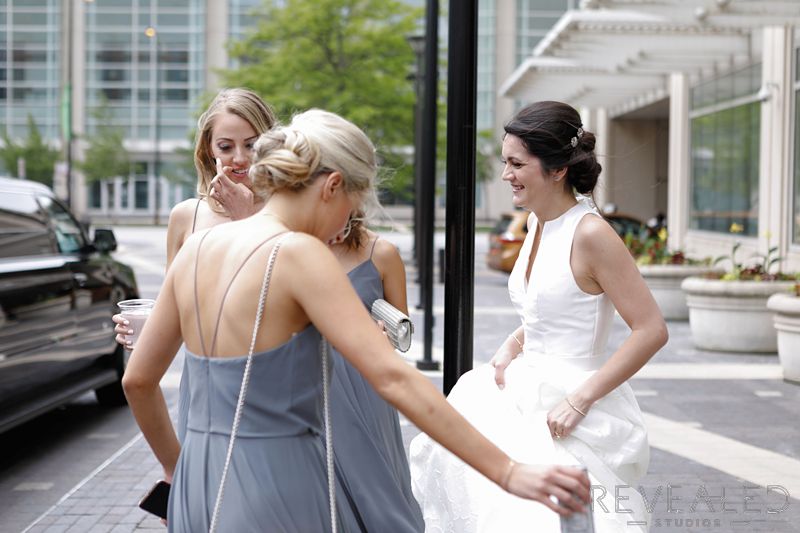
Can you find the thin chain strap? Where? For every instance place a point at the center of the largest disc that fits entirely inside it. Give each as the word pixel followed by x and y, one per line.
pixel 323 350
pixel 245 380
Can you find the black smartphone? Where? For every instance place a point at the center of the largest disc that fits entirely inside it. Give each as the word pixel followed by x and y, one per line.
pixel 155 501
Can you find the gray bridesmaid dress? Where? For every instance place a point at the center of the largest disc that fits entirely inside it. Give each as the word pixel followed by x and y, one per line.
pixel 367 441
pixel 277 480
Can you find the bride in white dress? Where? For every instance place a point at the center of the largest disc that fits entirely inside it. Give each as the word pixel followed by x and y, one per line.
pixel 551 393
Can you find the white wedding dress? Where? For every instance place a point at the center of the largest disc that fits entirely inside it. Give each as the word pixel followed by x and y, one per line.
pixel 566 331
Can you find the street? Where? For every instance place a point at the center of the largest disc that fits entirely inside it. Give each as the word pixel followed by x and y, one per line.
pixel 723 429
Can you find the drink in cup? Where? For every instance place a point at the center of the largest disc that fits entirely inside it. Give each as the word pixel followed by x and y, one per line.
pixel 136 313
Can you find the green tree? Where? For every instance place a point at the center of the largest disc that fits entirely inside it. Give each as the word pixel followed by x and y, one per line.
pixel 346 56
pixel 106 156
pixel 40 158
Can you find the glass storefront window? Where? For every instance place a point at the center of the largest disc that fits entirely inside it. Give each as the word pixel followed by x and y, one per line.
pixel 141 189
pixel 725 136
pixel 725 169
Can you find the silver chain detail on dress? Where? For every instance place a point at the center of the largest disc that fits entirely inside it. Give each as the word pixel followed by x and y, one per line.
pixel 245 379
pixel 323 350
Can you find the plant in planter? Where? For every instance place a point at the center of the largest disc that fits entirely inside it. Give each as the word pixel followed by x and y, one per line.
pixel 664 271
pixel 786 306
pixel 728 310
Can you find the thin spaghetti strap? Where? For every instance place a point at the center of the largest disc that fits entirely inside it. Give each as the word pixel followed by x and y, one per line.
pixel 371 252
pixel 196 302
pixel 228 288
pixel 196 209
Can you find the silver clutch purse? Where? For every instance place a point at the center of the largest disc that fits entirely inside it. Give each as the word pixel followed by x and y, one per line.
pixel 398 325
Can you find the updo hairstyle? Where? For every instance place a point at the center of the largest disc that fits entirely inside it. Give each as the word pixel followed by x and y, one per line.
pixel 315 142
pixel 241 102
pixel 552 131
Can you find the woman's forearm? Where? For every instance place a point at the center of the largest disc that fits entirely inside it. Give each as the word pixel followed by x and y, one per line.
pixel 150 410
pixel 516 341
pixel 631 356
pixel 424 405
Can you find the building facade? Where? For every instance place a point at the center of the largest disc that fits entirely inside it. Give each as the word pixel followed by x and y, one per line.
pixel 696 108
pixel 147 63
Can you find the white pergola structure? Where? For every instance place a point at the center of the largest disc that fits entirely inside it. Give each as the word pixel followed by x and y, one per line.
pixel 613 57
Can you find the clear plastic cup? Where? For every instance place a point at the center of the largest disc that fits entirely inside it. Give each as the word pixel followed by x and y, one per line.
pixel 136 313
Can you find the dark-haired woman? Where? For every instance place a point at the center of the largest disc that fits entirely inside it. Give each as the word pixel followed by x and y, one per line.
pixel 551 392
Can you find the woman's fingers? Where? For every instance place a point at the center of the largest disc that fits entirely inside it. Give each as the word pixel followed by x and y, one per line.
pixel 122 329
pixel 559 482
pixel 123 340
pixel 500 375
pixel 576 481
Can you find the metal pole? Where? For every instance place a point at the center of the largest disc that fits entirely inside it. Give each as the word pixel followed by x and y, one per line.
pixel 418 45
pixel 157 137
pixel 152 33
pixel 428 171
pixel 460 243
pixel 67 116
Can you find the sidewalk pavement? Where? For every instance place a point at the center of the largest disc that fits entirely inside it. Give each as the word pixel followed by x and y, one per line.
pixel 723 429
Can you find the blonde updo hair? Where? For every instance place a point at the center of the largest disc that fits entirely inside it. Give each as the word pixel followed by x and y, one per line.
pixel 315 142
pixel 238 101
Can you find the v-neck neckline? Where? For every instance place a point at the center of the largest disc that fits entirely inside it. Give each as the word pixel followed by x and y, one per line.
pixel 528 272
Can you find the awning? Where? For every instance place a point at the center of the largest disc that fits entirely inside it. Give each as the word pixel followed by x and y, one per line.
pixel 620 59
pixel 747 14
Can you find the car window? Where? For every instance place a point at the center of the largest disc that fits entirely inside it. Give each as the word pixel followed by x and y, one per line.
pixel 68 234
pixel 23 227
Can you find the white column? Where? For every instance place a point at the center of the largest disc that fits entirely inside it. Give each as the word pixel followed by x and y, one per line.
pixel 596 121
pixel 131 184
pixel 216 37
pixel 78 50
pixel 105 201
pixel 775 175
pixel 678 197
pixel 498 193
pixel 117 205
pixel 600 125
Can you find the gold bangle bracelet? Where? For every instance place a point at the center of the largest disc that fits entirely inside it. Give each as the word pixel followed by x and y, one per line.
pixel 507 476
pixel 518 342
pixel 573 406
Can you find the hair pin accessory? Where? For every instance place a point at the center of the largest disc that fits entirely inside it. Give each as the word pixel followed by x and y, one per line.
pixel 578 135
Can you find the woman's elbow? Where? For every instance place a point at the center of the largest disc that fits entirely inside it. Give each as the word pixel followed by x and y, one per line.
pixel 390 382
pixel 660 334
pixel 134 386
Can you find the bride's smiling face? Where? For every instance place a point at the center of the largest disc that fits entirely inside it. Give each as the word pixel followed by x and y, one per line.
pixel 530 184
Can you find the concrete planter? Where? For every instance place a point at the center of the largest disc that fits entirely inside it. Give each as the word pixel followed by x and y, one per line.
pixel 665 284
pixel 786 307
pixel 732 316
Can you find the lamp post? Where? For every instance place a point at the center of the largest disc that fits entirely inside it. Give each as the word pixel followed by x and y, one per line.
pixel 428 179
pixel 151 33
pixel 417 43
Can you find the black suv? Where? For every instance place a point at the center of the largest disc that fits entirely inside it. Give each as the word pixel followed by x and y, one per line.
pixel 58 291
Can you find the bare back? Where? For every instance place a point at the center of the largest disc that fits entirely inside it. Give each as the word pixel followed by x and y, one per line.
pixel 229 271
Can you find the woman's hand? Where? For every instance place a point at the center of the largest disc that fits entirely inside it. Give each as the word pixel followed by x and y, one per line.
pixel 570 485
pixel 563 418
pixel 502 358
pixel 122 329
pixel 235 198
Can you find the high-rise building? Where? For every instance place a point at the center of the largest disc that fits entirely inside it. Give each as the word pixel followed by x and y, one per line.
pixel 148 62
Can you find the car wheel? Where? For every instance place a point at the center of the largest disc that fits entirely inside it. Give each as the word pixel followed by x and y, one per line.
pixel 112 395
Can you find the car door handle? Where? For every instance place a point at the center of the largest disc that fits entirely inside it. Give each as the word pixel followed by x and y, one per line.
pixel 80 278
